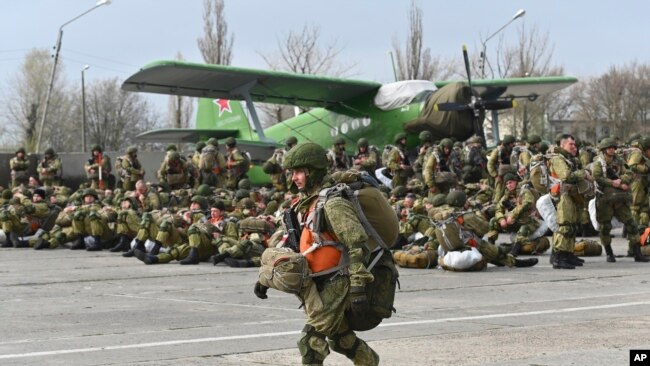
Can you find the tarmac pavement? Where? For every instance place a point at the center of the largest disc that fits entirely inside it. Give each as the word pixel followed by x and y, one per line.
pixel 63 307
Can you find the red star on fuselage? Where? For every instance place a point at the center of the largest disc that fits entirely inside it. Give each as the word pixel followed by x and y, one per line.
pixel 224 105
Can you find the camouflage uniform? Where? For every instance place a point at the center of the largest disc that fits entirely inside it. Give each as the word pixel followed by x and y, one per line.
pixel 337 157
pixel 398 163
pixel 98 160
pixel 613 181
pixel 326 307
pixel 366 160
pixel 19 166
pixel 235 165
pixel 639 164
pixel 130 169
pixel 499 163
pixel 446 160
pixel 49 169
pixel 173 171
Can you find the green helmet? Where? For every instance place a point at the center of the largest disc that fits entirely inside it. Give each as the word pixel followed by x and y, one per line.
pixel 339 141
pixel 213 141
pixel 244 184
pixel 199 146
pixel 362 142
pixel 425 136
pixel 456 198
pixel 399 137
pixel 49 151
pixel 447 143
pixel 606 143
pixel 132 150
pixel 242 193
pixel 438 199
pixel 230 142
pixel 174 155
pixel 510 176
pixel 399 191
pixel 508 139
pixel 96 148
pixel 635 137
pixel 246 203
pixel 306 155
pixel 202 201
pixel 171 147
pixel 474 140
pixel 21 150
pixel 291 140
pixel 90 192
pixel 534 139
pixel 543 146
pixel 204 190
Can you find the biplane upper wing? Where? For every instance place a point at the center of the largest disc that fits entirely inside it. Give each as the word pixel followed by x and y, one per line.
pixel 512 88
pixel 227 82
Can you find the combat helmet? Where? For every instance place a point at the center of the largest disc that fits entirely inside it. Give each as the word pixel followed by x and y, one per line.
pixel 291 140
pixel 309 156
pixel 213 141
pixel 132 150
pixel 230 142
pixel 456 198
pixel 508 139
pixel 204 190
pixel 446 142
pixel 90 192
pixel 425 136
pixel 202 201
pixel 362 142
pixel 174 155
pixel 534 139
pixel 607 142
pixel 49 151
pixel 199 146
pixel 96 147
pixel 339 141
pixel 244 184
pixel 399 137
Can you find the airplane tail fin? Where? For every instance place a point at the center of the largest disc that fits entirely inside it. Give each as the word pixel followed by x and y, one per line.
pixel 224 114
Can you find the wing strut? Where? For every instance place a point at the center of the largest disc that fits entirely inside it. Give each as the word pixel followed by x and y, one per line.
pixel 244 91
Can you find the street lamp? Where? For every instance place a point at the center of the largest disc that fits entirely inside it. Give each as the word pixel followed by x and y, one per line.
pixel 520 13
pixel 83 110
pixel 56 59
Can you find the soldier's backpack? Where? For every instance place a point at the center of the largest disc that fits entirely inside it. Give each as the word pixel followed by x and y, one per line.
pixel 460 230
pixel 208 158
pixel 380 222
pixel 385 154
pixel 119 171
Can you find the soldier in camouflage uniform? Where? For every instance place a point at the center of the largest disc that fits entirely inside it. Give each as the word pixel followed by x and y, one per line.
pixel 98 168
pixel 24 217
pixel 130 170
pixel 398 163
pixel 49 169
pixel 19 166
pixel 173 171
pixel 565 176
pixel 90 219
pixel 425 148
pixel 639 163
pixel 499 163
pixel 337 157
pixel 236 164
pixel 444 162
pixel 127 224
pixel 613 181
pixel 338 290
pixel 273 166
pixel 366 158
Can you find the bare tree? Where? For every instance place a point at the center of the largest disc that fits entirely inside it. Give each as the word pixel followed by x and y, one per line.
pixel 180 108
pixel 216 44
pixel 25 103
pixel 416 62
pixel 114 116
pixel 303 52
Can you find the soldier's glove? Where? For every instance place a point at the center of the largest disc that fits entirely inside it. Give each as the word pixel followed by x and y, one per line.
pixel 358 299
pixel 260 290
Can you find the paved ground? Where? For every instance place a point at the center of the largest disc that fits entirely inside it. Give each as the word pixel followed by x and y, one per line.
pixel 65 307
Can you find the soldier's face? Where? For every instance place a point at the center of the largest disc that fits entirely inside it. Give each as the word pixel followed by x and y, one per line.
pixel 88 199
pixel 299 178
pixel 511 185
pixel 610 151
pixel 569 145
pixel 195 206
pixel 215 213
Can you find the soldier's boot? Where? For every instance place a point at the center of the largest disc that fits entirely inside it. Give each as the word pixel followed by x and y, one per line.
pixel 243 263
pixel 192 258
pixel 562 261
pixel 218 258
pixel 78 244
pixel 156 248
pixel 610 254
pixel 96 244
pixel 575 260
pixel 516 249
pixel 638 257
pixel 16 242
pixel 520 263
pixel 41 244
pixel 122 244
pixel 139 245
pixel 145 257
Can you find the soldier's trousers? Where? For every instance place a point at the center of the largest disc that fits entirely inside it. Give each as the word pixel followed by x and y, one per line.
pixel 564 239
pixel 640 207
pixel 327 326
pixel 608 209
pixel 496 255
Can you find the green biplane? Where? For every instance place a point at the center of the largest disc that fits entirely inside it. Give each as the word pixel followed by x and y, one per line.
pixel 335 107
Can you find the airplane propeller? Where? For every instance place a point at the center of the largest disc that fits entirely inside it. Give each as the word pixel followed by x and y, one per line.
pixel 476 104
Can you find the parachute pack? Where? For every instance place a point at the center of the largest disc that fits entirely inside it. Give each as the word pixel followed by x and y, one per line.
pixel 208 158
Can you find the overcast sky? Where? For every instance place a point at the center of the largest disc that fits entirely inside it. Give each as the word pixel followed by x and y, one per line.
pixel 115 40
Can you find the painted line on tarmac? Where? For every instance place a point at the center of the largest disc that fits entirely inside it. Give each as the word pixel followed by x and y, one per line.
pixel 277 334
pixel 205 302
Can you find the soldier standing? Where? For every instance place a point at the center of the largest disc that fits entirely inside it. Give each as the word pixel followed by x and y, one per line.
pixel 98 168
pixel 398 163
pixel 130 169
pixel 273 166
pixel 338 159
pixel 236 164
pixel 499 163
pixel 613 181
pixel 639 163
pixel 19 166
pixel 366 157
pixel 565 176
pixel 325 308
pixel 49 169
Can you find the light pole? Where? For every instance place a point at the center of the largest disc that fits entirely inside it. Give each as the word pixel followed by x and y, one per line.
pixel 83 110
pixel 56 59
pixel 520 13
